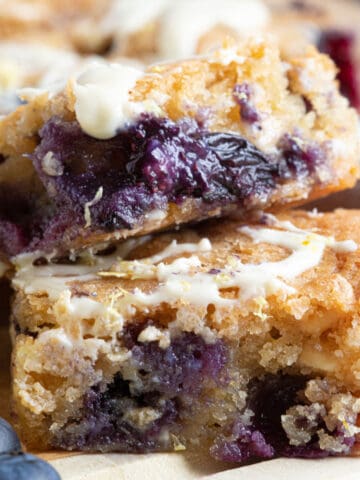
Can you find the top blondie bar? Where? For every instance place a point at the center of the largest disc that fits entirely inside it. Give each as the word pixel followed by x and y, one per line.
pixel 122 152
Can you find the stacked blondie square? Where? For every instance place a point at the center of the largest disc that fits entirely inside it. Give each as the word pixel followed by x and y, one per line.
pixel 168 293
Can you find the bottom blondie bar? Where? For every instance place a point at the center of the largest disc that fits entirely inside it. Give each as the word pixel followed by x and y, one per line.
pixel 241 340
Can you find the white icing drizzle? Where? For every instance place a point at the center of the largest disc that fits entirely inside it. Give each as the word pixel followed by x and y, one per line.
pixel 307 251
pixel 88 205
pixel 102 103
pixel 53 279
pixel 181 280
pixel 31 70
pixel 146 268
pixel 177 249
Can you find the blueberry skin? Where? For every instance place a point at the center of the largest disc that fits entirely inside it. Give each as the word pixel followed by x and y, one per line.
pixel 25 467
pixel 9 441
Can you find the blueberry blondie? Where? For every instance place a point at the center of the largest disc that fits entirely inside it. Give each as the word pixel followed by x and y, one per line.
pixel 237 339
pixel 121 152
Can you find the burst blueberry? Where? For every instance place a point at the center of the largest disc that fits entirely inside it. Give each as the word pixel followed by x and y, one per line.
pixel 152 163
pixel 166 379
pixel 264 437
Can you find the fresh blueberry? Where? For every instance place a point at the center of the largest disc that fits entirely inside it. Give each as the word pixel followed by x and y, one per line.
pixel 9 441
pixel 24 466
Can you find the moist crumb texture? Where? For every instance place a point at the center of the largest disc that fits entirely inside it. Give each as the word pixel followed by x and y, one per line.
pixel 238 130
pixel 236 339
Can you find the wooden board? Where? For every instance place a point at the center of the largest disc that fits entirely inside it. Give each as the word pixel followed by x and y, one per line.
pixel 174 466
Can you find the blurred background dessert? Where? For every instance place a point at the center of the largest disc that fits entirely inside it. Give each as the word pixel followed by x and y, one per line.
pixel 43 38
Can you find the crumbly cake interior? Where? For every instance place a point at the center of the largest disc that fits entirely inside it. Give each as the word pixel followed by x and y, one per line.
pixel 237 130
pixel 241 340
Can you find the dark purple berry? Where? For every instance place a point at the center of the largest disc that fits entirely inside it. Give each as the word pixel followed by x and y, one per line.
pixel 269 398
pixel 242 95
pixel 214 271
pixel 167 379
pixel 154 162
pixel 245 443
pixel 340 46
pixel 298 158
